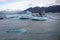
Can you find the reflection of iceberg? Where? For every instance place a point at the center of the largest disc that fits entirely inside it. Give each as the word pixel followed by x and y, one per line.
pixel 16 31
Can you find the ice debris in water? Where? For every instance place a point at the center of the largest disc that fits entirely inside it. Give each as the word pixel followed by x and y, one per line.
pixel 39 18
pixel 17 31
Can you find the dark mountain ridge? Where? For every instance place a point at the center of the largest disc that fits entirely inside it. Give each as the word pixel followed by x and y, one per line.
pixel 54 8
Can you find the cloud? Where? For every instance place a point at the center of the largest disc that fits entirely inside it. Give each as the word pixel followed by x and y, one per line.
pixel 15 0
pixel 24 4
pixel 57 1
pixel 15 6
pixel 2 0
pixel 10 0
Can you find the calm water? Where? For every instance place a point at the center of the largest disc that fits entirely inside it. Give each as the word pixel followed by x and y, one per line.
pixel 36 30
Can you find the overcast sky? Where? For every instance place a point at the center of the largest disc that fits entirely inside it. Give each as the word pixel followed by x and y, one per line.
pixel 24 4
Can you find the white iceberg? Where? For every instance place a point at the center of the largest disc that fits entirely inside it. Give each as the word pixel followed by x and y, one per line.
pixel 26 16
pixel 39 18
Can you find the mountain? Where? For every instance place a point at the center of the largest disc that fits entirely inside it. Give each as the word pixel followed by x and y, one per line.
pixel 36 10
pixel 54 8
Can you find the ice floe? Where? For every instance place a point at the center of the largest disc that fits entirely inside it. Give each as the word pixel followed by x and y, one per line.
pixel 16 31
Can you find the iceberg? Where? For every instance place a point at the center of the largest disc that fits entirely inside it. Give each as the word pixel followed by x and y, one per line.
pixel 12 16
pixel 20 31
pixel 39 18
pixel 26 16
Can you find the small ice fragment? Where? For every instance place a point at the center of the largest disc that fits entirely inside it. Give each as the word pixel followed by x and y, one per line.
pixel 17 31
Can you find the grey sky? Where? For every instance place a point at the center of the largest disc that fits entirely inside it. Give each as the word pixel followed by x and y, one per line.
pixel 57 1
pixel 23 4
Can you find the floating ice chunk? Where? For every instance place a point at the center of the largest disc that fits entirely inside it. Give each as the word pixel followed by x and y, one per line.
pixel 39 18
pixel 17 31
pixel 24 16
pixel 12 16
pixel 23 30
